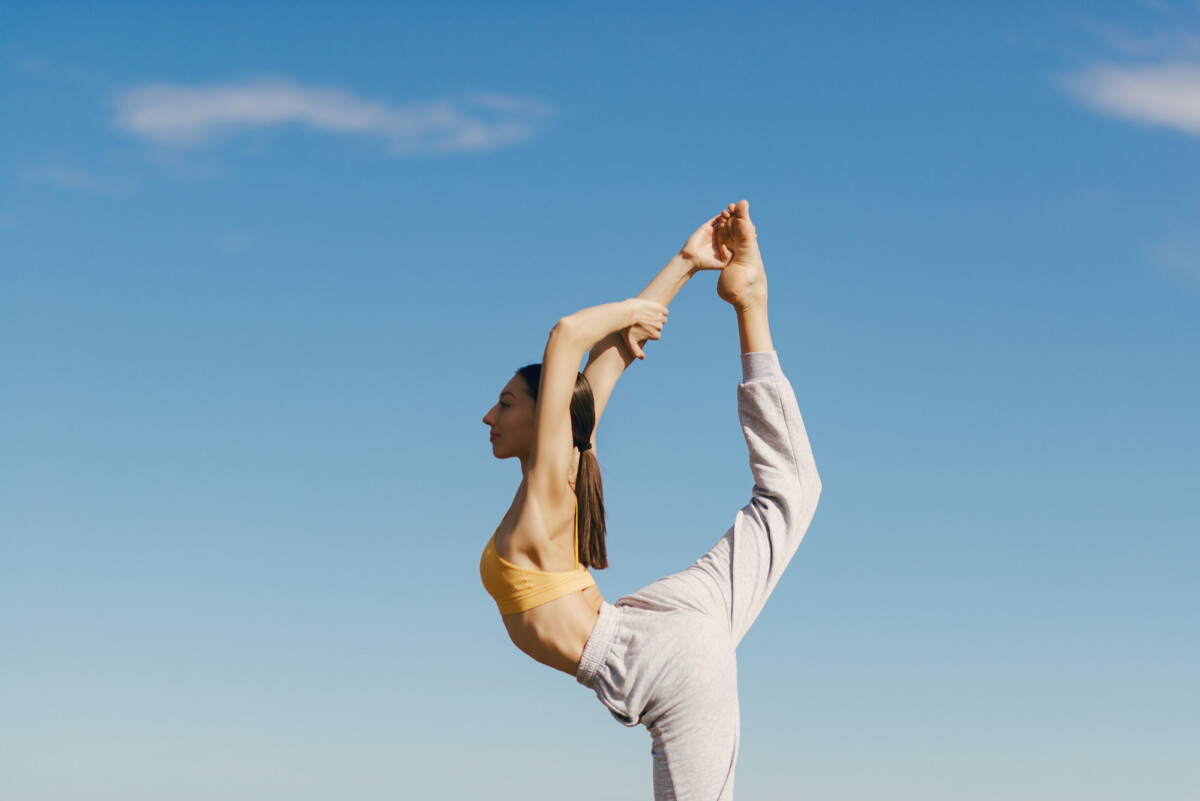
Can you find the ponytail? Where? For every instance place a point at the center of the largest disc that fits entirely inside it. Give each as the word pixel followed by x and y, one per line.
pixel 589 492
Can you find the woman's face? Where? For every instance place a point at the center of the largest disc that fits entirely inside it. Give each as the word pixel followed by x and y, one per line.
pixel 511 420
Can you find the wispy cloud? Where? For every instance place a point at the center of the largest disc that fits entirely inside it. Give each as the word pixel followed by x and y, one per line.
pixel 1169 38
pixel 1154 79
pixel 1168 95
pixel 194 116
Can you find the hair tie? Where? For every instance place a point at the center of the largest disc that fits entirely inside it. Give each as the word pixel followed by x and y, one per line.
pixel 587 446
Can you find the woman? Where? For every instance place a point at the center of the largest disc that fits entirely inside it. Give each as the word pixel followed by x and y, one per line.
pixel 664 656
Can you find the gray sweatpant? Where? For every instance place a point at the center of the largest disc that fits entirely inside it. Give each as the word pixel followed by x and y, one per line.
pixel 665 656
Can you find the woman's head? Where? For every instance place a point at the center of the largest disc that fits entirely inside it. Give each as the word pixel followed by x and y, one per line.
pixel 512 422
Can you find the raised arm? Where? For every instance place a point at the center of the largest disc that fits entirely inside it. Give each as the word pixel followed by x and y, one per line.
pixel 614 353
pixel 549 461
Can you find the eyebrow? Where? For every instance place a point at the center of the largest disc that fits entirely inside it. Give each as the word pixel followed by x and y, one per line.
pixel 506 392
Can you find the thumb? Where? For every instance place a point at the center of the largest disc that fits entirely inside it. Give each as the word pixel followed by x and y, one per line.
pixel 631 342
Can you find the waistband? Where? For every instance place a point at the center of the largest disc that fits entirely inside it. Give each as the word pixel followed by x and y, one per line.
pixel 598 645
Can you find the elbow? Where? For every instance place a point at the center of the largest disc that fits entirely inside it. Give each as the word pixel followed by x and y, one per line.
pixel 565 333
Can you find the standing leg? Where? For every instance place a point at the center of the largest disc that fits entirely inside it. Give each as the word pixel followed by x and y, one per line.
pixel 694 724
pixel 675 672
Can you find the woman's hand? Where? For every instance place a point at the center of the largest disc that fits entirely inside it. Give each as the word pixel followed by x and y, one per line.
pixel 648 319
pixel 704 249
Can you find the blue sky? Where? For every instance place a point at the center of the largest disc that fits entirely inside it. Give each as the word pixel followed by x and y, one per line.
pixel 263 269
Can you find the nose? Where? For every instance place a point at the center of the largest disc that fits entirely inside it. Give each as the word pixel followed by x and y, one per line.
pixel 486 420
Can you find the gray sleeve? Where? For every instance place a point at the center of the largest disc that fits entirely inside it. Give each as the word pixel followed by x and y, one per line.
pixel 761 366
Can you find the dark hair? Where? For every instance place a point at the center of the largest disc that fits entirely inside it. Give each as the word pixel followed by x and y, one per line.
pixel 588 491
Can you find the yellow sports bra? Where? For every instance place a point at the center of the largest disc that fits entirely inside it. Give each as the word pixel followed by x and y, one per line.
pixel 519 589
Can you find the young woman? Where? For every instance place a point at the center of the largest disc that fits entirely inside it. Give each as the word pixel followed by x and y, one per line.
pixel 663 657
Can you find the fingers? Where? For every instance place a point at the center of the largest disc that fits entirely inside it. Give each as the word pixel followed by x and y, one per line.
pixel 731 226
pixel 632 343
pixel 722 235
pixel 656 312
pixel 720 252
pixel 721 221
pixel 648 324
pixel 651 329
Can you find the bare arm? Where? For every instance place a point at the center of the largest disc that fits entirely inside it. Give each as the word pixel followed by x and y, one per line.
pixel 569 339
pixel 612 355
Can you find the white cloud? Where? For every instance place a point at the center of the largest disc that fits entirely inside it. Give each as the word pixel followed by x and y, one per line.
pixel 192 116
pixel 1168 96
pixel 1153 76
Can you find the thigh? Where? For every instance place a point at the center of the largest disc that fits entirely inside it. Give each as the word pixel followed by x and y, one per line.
pixel 732 582
pixel 702 588
pixel 744 567
pixel 695 729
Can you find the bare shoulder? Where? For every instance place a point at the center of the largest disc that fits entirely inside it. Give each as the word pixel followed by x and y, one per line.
pixel 540 533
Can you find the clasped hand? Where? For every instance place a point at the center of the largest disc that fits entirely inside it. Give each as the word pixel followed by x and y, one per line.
pixel 706 248
pixel 647 321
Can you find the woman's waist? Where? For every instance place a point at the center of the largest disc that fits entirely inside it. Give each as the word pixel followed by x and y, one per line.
pixel 556 633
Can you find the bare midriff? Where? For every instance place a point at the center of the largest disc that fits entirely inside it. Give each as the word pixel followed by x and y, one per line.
pixel 556 633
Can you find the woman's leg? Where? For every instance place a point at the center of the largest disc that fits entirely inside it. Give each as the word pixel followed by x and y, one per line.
pixel 736 577
pixel 695 725
pixel 672 664
pixel 669 655
pixel 732 582
pixel 749 560
pixel 675 672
